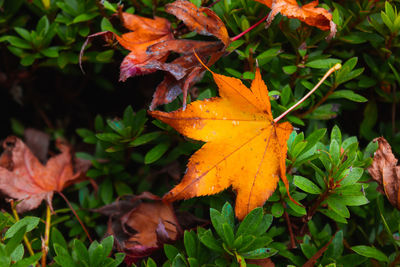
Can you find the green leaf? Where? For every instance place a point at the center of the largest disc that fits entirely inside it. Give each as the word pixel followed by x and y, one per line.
pixel 57 238
pixel 348 94
pixel 314 137
pixel 63 258
pixel 189 240
pixel 277 209
pixel 289 69
pixel 306 185
pixel 207 238
pixel 84 17
pixel 355 200
pixel 15 240
pixel 107 244
pixel 107 5
pixel 298 209
pixel 334 151
pixel 261 253
pixel 18 42
pixel 170 251
pixel 336 134
pixel 18 253
pixel 333 215
pixel 353 176
pixel 250 223
pixel 30 261
pixel 156 152
pixel 105 56
pixel 81 251
pixel 178 261
pixel 108 137
pixel 51 52
pixel 337 204
pixel 28 221
pixel 370 252
pixel 151 263
pixel 228 235
pixel 227 213
pixel 43 26
pixel 23 33
pixel 122 188
pixel 106 191
pixel 144 139
pixel 96 254
pixel 323 63
pixel 217 221
pixel 264 224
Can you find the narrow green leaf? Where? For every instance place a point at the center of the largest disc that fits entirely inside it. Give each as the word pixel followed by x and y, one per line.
pixel 370 252
pixel 306 185
pixel 156 152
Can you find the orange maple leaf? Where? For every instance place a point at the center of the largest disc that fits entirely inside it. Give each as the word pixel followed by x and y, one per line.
pixel 309 13
pixel 245 148
pixel 24 178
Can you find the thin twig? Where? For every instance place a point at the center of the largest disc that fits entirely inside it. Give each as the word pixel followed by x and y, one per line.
pixel 311 262
pixel 76 215
pixel 249 29
pixel 45 246
pixel 26 240
pixel 289 224
pixel 329 72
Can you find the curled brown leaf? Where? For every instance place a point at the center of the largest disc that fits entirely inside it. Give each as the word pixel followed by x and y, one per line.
pixel 385 172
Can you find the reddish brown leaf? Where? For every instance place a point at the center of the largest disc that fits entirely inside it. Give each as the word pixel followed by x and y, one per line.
pixel 309 13
pixel 187 69
pixel 385 172
pixel 145 32
pixel 201 20
pixel 141 224
pixel 151 41
pixel 27 180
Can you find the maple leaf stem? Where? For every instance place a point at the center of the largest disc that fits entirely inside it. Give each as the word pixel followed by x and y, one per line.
pixel 45 246
pixel 76 216
pixel 26 240
pixel 249 29
pixel 329 72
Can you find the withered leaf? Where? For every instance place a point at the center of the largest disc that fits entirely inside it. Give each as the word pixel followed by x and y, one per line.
pixel 24 178
pixel 199 19
pixel 151 41
pixel 385 172
pixel 141 224
pixel 308 13
pixel 145 32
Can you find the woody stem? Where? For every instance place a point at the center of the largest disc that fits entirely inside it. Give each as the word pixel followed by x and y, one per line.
pixel 76 215
pixel 26 240
pixel 329 72
pixel 249 29
pixel 45 246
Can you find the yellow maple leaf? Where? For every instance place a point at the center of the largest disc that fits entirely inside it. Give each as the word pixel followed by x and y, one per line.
pixel 245 148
